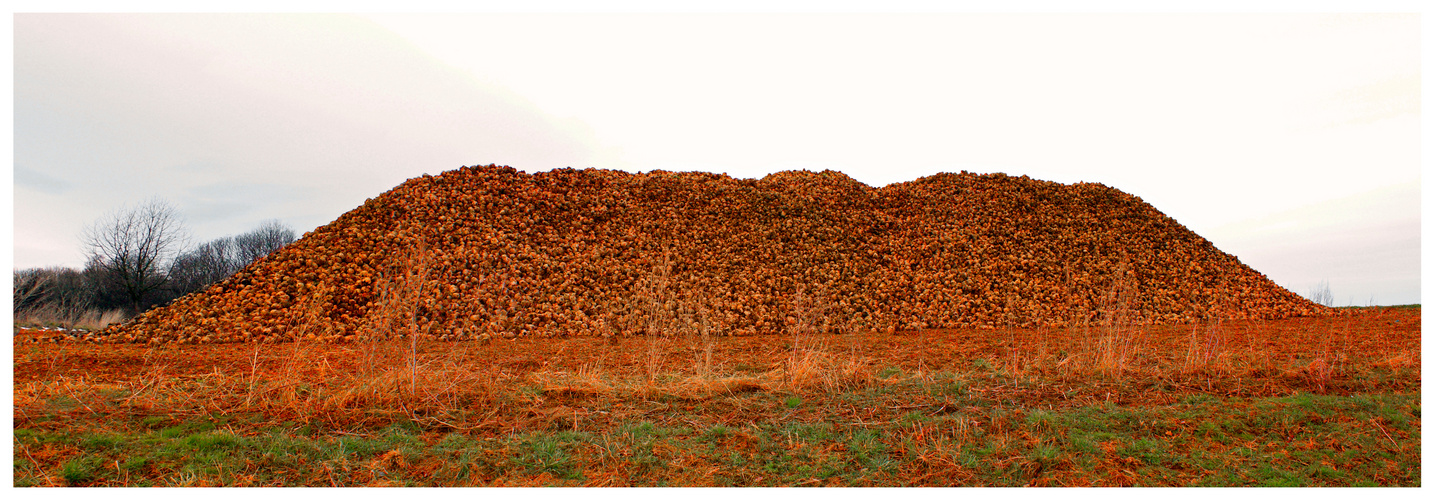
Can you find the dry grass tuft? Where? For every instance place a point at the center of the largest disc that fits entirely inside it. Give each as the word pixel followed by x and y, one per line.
pixel 1119 339
pixel 1404 359
pixel 69 317
pixel 812 366
pixel 585 382
pixel 1206 349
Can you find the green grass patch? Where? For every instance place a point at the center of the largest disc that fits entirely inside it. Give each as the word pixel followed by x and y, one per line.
pixel 935 431
pixel 543 453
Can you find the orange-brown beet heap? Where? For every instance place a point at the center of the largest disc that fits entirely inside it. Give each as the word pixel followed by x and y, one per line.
pixel 494 251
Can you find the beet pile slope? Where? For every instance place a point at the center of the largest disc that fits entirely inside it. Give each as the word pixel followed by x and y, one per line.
pixel 494 251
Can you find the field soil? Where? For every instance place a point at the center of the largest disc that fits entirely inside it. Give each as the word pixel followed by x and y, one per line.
pixel 1325 401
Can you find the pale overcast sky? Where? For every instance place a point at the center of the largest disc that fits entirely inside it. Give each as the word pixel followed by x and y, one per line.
pixel 1291 141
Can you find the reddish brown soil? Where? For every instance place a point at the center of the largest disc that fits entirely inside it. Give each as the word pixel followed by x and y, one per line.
pixel 533 386
pixel 1274 350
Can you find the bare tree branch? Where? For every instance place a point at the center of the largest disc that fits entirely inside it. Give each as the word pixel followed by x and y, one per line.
pixel 1320 294
pixel 269 236
pixel 132 247
pixel 203 266
pixel 211 262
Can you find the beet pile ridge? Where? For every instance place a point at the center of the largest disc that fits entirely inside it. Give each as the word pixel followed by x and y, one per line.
pixel 493 251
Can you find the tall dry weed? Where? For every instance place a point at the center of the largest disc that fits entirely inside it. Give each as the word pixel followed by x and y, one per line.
pixel 1206 347
pixel 811 363
pixel 1330 355
pixel 1117 338
pixel 664 315
pixel 658 307
pixel 402 371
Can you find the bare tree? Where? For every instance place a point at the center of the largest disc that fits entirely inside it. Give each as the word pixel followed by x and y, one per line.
pixel 1320 294
pixel 131 248
pixel 203 266
pixel 71 291
pixel 211 262
pixel 269 236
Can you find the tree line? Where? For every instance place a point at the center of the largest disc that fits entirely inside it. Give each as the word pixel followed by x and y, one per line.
pixel 137 259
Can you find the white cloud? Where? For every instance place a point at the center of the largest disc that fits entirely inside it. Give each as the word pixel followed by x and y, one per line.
pixel 1362 245
pixel 1216 120
pixel 131 106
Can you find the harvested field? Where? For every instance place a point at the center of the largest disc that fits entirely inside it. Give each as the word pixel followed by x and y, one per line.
pixel 1242 347
pixel 484 252
pixel 487 327
pixel 1321 401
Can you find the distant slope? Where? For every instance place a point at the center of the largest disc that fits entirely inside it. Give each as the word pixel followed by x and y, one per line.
pixel 491 251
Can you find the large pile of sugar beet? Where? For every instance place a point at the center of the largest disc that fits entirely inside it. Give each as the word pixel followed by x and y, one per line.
pixel 492 251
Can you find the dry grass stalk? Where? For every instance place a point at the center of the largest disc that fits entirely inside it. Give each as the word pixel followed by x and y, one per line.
pixel 1205 347
pixel 394 377
pixel 658 307
pixel 1118 341
pixel 70 317
pixel 429 382
pixel 816 368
